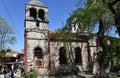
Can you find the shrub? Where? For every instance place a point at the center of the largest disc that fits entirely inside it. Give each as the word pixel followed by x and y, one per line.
pixel 31 74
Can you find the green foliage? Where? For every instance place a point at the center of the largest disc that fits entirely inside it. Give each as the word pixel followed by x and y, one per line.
pixel 2 65
pixel 33 73
pixel 115 51
pixel 88 17
pixel 3 51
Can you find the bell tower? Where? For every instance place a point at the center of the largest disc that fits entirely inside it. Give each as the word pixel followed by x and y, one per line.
pixel 36 36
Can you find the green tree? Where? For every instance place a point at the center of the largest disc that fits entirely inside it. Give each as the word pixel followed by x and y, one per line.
pixel 112 7
pixel 114 54
pixel 6 34
pixel 2 54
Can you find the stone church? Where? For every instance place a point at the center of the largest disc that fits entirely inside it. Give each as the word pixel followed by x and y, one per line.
pixel 48 54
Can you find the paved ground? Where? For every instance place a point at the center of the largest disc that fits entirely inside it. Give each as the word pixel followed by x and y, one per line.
pixel 1 76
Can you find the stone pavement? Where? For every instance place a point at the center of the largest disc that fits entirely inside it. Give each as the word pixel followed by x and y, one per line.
pixel 1 76
pixel 17 74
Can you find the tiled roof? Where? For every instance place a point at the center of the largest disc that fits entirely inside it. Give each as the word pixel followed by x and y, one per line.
pixel 55 36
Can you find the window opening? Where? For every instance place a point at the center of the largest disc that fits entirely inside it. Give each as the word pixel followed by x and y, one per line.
pixel 33 14
pixel 78 57
pixel 62 56
pixel 38 56
pixel 41 15
pixel 37 23
pixel 38 53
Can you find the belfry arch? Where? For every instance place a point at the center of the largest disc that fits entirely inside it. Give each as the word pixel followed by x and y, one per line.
pixel 33 13
pixel 41 15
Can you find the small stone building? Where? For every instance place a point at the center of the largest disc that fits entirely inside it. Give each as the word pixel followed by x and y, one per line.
pixel 48 54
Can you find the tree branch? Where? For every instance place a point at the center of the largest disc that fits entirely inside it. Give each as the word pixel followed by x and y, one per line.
pixel 113 2
pixel 110 6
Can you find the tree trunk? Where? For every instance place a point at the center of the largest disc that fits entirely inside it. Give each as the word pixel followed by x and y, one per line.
pixel 105 48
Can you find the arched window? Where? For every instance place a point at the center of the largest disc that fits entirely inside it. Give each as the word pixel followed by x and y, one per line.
pixel 41 15
pixel 78 56
pixel 33 13
pixel 38 53
pixel 62 56
pixel 38 56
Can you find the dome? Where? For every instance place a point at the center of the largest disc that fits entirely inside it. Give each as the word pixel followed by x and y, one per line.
pixel 36 2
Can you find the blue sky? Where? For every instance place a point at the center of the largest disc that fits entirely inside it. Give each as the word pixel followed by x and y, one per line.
pixel 14 12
